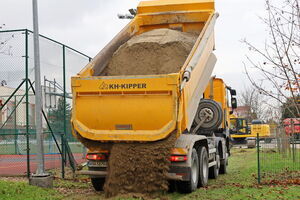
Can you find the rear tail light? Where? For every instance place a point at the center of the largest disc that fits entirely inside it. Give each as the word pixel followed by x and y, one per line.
pixel 178 158
pixel 96 157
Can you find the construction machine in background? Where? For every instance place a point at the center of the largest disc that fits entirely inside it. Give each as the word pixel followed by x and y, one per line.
pixel 147 108
pixel 242 132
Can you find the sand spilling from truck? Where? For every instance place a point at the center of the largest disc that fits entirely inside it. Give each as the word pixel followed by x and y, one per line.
pixel 138 168
pixel 160 51
pixel 141 168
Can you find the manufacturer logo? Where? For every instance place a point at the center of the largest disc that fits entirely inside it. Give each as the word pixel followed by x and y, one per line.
pixel 105 86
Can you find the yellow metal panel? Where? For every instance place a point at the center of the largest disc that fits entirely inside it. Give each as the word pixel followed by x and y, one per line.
pixel 179 151
pixel 144 107
pixel 174 5
pixel 175 18
pixel 263 130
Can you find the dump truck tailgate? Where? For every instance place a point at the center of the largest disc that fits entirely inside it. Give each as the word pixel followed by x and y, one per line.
pixel 131 108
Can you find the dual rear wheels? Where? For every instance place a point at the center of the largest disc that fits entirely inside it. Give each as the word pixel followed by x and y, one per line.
pixel 200 171
pixel 214 170
pixel 224 163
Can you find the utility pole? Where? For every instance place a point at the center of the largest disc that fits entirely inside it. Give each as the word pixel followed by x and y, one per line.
pixel 40 178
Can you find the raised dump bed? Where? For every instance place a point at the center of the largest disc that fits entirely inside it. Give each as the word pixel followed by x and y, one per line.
pixel 116 99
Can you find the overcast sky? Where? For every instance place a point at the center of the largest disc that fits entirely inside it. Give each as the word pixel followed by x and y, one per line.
pixel 87 25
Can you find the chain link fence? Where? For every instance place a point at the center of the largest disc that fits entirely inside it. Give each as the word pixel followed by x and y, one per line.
pixel 279 158
pixel 17 106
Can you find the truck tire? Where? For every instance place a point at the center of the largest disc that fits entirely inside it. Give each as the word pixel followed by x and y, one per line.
pixel 172 186
pixel 204 170
pixel 214 170
pixel 251 144
pixel 214 112
pixel 98 183
pixel 268 140
pixel 224 163
pixel 191 185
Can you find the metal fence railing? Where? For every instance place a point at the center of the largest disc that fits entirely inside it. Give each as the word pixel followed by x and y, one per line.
pixel 17 107
pixel 279 158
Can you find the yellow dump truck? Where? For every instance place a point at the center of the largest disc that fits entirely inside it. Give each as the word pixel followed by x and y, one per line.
pixel 147 108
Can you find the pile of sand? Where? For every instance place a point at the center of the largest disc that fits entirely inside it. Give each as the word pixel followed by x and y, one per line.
pixel 138 168
pixel 160 51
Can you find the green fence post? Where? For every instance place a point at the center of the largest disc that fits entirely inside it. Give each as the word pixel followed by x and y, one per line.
pixel 27 104
pixel 64 111
pixel 258 159
pixel 15 126
pixel 293 140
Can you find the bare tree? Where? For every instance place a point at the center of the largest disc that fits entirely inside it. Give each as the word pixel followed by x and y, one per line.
pixel 5 48
pixel 278 62
pixel 2 26
pixel 254 104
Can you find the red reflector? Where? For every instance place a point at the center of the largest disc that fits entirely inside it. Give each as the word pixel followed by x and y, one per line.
pixel 181 158
pixel 95 157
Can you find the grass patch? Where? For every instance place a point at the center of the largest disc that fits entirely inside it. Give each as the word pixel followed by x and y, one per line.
pixel 273 161
pixel 22 190
pixel 239 183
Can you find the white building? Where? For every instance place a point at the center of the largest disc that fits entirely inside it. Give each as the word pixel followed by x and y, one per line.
pixel 17 118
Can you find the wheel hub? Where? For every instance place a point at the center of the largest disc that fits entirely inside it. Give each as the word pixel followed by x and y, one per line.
pixel 206 113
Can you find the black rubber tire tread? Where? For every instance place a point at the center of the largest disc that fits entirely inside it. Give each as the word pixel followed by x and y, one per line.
pixel 172 186
pixel 214 170
pixel 268 140
pixel 223 165
pixel 98 183
pixel 189 186
pixel 218 114
pixel 203 158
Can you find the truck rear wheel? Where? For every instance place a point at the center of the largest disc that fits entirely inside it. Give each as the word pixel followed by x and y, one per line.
pixel 191 185
pixel 268 140
pixel 224 163
pixel 214 170
pixel 203 173
pixel 98 183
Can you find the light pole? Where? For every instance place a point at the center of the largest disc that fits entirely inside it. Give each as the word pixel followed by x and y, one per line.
pixel 40 178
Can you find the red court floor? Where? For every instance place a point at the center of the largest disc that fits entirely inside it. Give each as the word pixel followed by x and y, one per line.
pixel 17 164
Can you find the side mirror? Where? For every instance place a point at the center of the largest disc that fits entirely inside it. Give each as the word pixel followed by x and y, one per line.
pixel 233 92
pixel 233 103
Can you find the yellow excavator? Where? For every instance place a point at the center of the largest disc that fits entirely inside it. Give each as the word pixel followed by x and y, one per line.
pixel 187 103
pixel 241 132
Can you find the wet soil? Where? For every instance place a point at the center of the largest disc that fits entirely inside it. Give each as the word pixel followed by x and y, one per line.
pixel 139 168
